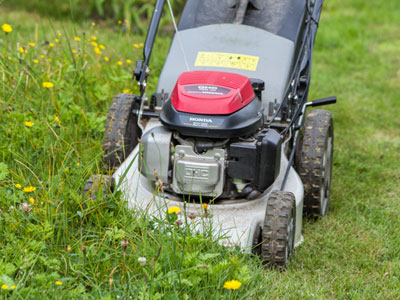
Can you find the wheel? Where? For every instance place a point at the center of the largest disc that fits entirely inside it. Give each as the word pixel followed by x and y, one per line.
pixel 122 132
pixel 97 182
pixel 314 162
pixel 279 229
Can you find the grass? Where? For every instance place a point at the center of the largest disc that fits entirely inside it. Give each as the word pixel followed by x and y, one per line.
pixel 92 248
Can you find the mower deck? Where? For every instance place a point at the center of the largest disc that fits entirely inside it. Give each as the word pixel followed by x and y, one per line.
pixel 237 219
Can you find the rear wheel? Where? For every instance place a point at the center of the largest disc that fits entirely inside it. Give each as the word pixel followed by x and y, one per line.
pixel 122 132
pixel 279 229
pixel 314 162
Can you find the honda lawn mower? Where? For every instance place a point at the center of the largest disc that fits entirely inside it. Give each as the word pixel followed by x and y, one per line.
pixel 228 125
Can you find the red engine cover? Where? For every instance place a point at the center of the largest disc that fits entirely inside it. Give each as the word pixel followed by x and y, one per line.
pixel 211 92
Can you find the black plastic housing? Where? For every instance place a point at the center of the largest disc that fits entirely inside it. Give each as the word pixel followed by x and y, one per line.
pixel 243 122
pixel 257 162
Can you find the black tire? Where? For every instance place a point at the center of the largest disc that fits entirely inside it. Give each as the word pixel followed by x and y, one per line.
pixel 97 182
pixel 122 132
pixel 279 229
pixel 314 162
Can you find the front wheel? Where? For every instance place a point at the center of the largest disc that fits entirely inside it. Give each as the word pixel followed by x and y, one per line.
pixel 279 229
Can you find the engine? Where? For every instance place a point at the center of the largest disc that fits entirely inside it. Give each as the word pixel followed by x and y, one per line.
pixel 212 142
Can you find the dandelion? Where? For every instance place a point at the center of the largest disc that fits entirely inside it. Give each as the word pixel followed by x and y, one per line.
pixel 49 59
pixel 94 44
pixel 29 124
pixel 126 91
pixel 73 51
pixel 128 61
pixel 35 61
pixel 51 45
pixel 106 58
pixel 69 249
pixel 26 250
pixel 13 287
pixel 48 85
pixel 119 22
pixel 57 120
pixel 97 50
pixel 22 50
pixel 232 285
pixel 135 45
pixel 77 38
pixel 142 261
pixel 31 201
pixel 29 189
pixel 93 24
pixel 119 63
pixel 174 209
pixel 57 40
pixel 205 206
pixel 141 45
pixel 59 33
pixel 41 56
pixel 94 38
pixel 102 47
pixel 58 282
pixel 78 163
pixel 18 186
pixel 4 287
pixel 32 44
pixel 6 28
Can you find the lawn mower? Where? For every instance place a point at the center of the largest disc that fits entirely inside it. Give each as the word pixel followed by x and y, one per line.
pixel 228 125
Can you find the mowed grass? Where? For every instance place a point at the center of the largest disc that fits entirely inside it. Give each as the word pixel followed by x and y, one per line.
pixel 353 253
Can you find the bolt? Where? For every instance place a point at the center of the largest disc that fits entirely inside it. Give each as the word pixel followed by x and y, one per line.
pixel 217 156
pixel 181 153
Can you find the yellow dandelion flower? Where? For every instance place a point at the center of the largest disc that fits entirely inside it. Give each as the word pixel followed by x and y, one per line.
pixel 6 28
pixel 102 47
pixel 77 55
pixel 29 124
pixel 22 50
pixel 32 44
pixel 94 44
pixel 51 45
pixel 78 163
pixel 49 59
pixel 119 63
pixel 94 38
pixel 18 186
pixel 4 287
pixel 97 50
pixel 58 282
pixel 174 209
pixel 9 58
pixel 59 33
pixel 119 22
pixel 135 45
pixel 13 287
pixel 29 189
pixel 48 85
pixel 26 250
pixel 69 249
pixel 141 45
pixel 31 200
pixel 35 61
pixel 106 58
pixel 93 24
pixel 57 40
pixel 128 61
pixel 127 91
pixel 57 120
pixel 41 56
pixel 73 51
pixel 232 284
pixel 205 206
pixel 77 39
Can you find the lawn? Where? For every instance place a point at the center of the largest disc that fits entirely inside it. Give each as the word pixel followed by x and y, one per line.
pixel 57 80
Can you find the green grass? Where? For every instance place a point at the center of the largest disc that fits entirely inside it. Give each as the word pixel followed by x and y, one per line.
pixel 353 253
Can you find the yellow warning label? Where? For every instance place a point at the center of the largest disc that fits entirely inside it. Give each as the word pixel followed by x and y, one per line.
pixel 226 60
